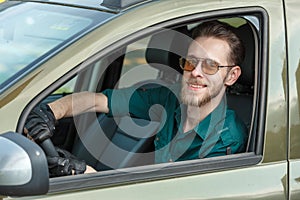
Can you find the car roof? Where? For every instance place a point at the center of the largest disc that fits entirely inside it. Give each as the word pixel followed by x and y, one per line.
pixel 114 6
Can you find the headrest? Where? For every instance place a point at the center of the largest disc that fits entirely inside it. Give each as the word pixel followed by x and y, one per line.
pixel 245 33
pixel 166 47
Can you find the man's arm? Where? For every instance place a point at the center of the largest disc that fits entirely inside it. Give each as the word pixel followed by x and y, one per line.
pixel 78 103
pixel 40 126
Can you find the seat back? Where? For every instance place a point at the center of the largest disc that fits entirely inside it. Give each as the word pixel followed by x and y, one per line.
pixel 114 143
pixel 163 53
pixel 240 95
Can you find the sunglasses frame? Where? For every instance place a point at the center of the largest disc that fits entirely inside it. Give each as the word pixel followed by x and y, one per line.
pixel 182 61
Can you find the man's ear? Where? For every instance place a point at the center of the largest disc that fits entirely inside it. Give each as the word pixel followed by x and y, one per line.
pixel 233 75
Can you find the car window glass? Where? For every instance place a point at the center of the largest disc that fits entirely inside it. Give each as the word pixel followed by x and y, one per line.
pixel 67 88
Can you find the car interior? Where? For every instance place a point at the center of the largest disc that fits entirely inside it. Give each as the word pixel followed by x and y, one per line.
pixel 120 142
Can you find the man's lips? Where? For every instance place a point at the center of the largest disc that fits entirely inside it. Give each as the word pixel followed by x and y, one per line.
pixel 196 86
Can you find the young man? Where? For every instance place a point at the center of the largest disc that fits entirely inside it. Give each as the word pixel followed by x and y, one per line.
pixel 195 125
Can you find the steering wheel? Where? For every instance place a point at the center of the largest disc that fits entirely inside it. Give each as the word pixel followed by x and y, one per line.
pixel 48 147
pixel 73 166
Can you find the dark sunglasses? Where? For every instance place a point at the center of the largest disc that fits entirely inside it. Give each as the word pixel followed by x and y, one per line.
pixel 208 66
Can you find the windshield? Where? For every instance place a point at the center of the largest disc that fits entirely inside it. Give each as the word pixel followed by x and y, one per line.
pixel 31 31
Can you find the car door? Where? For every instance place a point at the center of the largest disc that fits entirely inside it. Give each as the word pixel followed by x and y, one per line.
pixel 292 23
pixel 258 173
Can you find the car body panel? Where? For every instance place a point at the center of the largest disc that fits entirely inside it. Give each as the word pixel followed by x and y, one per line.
pixel 293 27
pixel 293 55
pixel 182 187
pixel 269 179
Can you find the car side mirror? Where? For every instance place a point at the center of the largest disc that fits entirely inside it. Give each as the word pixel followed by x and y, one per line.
pixel 23 166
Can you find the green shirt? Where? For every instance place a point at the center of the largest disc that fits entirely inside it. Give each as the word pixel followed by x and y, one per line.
pixel 220 133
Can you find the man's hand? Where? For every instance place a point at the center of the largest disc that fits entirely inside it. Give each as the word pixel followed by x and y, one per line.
pixel 65 164
pixel 40 124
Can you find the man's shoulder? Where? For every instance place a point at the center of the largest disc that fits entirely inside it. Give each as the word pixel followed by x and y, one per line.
pixel 236 125
pixel 232 117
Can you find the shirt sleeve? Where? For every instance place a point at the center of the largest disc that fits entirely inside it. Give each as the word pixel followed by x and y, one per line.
pixel 137 102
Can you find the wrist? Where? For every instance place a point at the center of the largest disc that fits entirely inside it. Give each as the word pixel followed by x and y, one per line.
pixel 55 111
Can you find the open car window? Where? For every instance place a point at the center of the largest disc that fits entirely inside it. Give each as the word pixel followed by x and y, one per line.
pixel 138 64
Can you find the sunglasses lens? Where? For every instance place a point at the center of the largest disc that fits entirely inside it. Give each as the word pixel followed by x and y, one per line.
pixel 189 66
pixel 209 66
pixel 186 64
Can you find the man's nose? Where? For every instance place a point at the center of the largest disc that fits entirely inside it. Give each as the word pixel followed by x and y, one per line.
pixel 198 70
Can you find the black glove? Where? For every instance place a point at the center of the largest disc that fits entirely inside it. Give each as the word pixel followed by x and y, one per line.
pixel 65 164
pixel 41 123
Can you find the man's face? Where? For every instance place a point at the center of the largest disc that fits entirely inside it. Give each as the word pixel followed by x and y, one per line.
pixel 199 88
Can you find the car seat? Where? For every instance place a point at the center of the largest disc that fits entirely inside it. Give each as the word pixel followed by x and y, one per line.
pixel 240 95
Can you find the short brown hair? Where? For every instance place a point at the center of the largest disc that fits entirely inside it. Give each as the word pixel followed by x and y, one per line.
pixel 225 32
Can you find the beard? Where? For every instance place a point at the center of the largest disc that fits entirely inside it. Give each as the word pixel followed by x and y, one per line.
pixel 193 98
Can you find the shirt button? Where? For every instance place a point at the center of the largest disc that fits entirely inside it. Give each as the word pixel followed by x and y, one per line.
pixel 157 138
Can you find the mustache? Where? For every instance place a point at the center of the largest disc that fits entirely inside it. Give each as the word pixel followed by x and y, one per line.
pixel 194 81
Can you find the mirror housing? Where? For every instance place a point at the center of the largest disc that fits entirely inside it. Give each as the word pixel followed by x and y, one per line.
pixel 23 166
